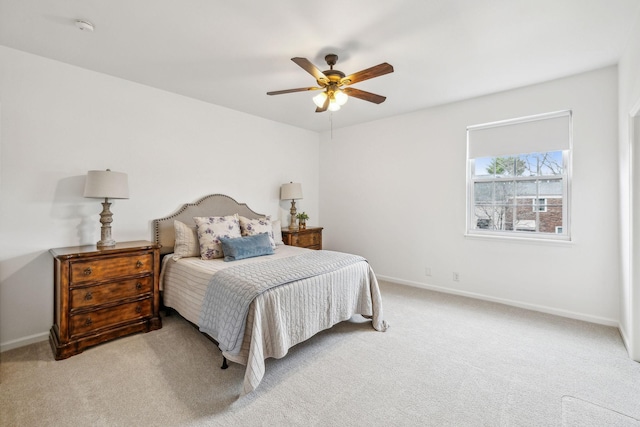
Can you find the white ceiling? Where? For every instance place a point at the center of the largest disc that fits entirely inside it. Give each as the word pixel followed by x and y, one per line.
pixel 230 53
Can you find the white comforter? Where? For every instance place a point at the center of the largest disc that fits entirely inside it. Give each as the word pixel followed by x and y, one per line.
pixel 284 316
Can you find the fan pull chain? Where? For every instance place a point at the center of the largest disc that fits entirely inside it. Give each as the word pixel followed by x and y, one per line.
pixel 331 123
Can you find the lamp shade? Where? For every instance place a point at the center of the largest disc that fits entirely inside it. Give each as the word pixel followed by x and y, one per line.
pixel 291 191
pixel 106 185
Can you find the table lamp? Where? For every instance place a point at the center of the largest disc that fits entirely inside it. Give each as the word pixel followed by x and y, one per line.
pixel 106 185
pixel 291 191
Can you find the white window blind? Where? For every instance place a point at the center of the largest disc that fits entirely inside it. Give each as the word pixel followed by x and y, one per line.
pixel 534 134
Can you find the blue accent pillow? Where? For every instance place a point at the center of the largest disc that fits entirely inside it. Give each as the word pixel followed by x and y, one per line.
pixel 236 248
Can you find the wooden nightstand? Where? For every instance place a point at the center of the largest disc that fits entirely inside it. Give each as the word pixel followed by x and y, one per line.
pixel 310 238
pixel 102 294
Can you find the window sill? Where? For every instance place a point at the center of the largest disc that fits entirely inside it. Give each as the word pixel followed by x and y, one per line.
pixel 518 239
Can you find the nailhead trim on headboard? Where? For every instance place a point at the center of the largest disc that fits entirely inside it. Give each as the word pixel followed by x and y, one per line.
pixel 211 205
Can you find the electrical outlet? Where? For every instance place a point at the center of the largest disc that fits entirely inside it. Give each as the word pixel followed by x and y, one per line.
pixel 427 271
pixel 456 277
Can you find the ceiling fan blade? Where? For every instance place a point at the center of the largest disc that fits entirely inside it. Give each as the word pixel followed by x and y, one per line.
pixel 367 96
pixel 324 106
pixel 369 73
pixel 306 65
pixel 300 89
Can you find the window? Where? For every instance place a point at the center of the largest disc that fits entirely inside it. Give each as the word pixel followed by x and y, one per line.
pixel 518 177
pixel 539 205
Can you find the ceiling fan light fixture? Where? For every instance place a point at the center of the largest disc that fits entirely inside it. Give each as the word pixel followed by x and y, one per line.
pixel 341 98
pixel 330 81
pixel 333 105
pixel 319 99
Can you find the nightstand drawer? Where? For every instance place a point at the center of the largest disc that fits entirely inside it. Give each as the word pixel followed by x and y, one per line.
pixel 87 322
pixel 310 237
pixel 98 269
pixel 305 240
pixel 96 295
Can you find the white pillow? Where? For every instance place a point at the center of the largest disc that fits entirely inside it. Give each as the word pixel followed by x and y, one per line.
pixel 186 244
pixel 277 232
pixel 210 229
pixel 251 227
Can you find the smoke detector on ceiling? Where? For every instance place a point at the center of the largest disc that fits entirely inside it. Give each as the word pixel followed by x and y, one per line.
pixel 84 25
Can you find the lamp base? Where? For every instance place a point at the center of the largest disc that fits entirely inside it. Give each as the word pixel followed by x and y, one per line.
pixel 106 218
pixel 106 243
pixel 293 225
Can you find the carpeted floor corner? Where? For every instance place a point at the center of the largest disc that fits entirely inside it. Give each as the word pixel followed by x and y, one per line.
pixel 578 412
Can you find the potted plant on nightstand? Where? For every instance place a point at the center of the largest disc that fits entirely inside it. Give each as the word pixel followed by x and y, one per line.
pixel 302 220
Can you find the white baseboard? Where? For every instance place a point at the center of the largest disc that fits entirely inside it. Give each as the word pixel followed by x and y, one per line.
pixel 21 342
pixel 625 339
pixel 543 309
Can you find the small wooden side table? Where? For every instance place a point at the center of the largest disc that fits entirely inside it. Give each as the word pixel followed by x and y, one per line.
pixel 311 237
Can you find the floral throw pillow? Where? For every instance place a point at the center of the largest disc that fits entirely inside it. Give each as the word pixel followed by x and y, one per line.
pixel 210 229
pixel 251 227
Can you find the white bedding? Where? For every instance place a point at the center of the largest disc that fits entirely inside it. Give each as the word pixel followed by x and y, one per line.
pixel 184 282
pixel 282 317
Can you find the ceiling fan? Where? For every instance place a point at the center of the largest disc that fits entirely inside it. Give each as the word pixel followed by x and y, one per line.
pixel 332 82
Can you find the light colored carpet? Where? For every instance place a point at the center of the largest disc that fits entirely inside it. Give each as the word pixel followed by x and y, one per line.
pixel 445 361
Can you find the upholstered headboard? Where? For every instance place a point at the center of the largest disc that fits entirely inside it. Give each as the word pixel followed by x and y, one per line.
pixel 212 205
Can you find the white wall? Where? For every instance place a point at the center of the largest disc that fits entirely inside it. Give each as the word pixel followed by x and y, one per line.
pixel 629 166
pixel 394 191
pixel 58 121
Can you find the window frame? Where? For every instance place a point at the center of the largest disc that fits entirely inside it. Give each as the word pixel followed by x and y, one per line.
pixel 566 177
pixel 541 206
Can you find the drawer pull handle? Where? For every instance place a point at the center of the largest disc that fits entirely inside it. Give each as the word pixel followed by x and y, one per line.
pixel 138 309
pixel 87 271
pixel 88 296
pixel 139 264
pixel 88 322
pixel 138 286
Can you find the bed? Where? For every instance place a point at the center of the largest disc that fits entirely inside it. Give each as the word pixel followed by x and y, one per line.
pixel 311 299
